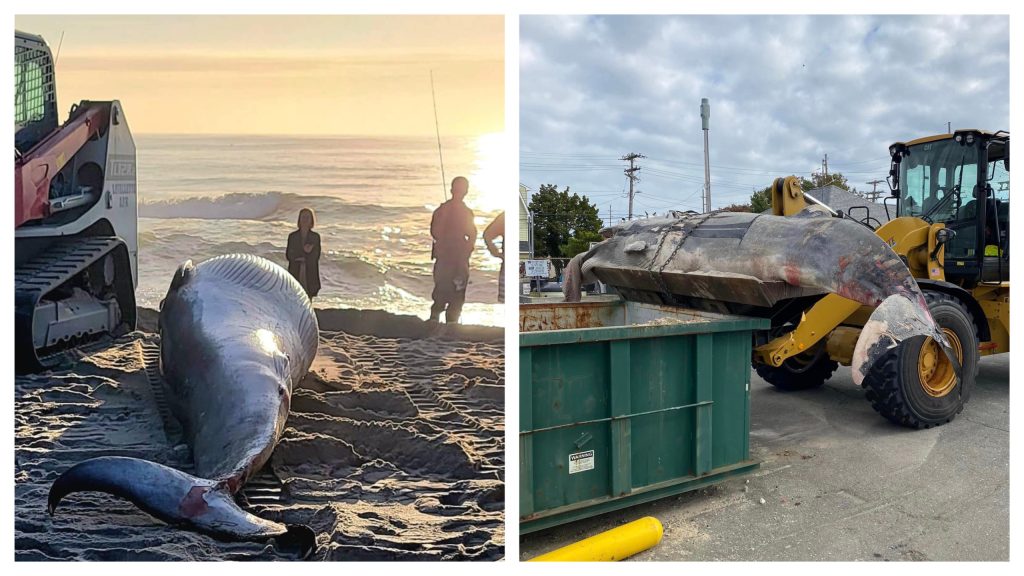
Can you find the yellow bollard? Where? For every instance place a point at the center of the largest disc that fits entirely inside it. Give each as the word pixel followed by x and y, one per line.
pixel 611 546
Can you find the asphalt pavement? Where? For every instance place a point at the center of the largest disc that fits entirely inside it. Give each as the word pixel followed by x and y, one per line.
pixel 839 482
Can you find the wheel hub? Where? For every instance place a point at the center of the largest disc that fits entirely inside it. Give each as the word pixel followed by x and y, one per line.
pixel 936 372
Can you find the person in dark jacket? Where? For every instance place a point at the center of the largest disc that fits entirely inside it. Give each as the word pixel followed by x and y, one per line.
pixel 454 235
pixel 303 253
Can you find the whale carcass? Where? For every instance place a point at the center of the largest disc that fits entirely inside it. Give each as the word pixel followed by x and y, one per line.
pixel 236 333
pixel 756 263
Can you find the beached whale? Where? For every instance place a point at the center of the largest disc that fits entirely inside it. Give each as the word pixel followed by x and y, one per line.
pixel 749 263
pixel 236 333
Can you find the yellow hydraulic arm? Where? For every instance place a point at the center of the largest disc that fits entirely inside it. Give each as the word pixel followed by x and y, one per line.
pixel 914 239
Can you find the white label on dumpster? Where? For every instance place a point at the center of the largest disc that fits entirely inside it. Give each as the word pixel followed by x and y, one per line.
pixel 581 461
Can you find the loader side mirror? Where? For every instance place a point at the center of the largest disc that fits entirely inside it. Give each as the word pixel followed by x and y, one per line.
pixel 896 153
pixel 942 236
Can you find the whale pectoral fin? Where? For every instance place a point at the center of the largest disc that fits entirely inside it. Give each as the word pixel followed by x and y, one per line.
pixel 897 320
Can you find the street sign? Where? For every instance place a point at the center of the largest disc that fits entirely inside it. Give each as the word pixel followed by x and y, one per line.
pixel 537 268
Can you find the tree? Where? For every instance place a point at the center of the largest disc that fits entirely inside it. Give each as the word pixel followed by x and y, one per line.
pixel 558 217
pixel 818 179
pixel 579 243
pixel 737 208
pixel 761 200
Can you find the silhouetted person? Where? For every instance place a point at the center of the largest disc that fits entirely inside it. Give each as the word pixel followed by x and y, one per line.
pixel 454 236
pixel 303 253
pixel 494 229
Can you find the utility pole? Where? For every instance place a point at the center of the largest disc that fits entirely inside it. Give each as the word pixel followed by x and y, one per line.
pixel 609 214
pixel 705 118
pixel 949 127
pixel 874 189
pixel 824 166
pixel 631 174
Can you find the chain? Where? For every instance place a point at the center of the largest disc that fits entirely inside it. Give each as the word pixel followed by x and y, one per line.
pixel 686 228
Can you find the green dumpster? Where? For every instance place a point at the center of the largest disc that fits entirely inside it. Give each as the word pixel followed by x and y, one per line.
pixel 625 402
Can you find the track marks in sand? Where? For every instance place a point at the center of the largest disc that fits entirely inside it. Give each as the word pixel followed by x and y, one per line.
pixel 390 432
pixel 103 406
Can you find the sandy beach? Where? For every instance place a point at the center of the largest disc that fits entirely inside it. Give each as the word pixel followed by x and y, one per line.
pixel 394 448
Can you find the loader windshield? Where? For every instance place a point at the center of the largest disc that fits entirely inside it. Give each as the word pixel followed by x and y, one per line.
pixel 936 179
pixel 35 107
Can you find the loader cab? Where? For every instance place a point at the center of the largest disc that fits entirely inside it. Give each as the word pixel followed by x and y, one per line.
pixel 963 181
pixel 35 99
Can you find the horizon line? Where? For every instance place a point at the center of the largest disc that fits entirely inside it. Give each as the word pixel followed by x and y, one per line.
pixel 315 134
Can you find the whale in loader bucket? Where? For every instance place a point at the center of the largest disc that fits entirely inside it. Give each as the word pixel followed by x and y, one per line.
pixel 768 266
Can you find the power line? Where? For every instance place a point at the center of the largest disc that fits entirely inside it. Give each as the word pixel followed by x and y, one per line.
pixel 700 165
pixel 875 193
pixel 567 167
pixel 565 164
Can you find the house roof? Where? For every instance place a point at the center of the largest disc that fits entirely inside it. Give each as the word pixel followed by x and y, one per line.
pixel 838 199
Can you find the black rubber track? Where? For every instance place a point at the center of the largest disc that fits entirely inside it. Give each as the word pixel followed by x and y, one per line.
pixel 63 260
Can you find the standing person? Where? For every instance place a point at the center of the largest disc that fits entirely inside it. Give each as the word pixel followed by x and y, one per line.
pixel 303 253
pixel 454 236
pixel 494 229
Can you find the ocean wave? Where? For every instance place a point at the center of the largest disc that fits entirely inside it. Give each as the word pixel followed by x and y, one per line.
pixel 171 250
pixel 228 206
pixel 264 206
pixel 341 271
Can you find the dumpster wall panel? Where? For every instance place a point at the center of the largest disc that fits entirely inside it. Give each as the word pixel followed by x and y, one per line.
pixel 731 367
pixel 575 389
pixel 663 441
pixel 613 413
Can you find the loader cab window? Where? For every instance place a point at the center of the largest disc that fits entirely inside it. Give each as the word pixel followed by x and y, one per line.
pixel 999 180
pixel 932 174
pixel 29 102
pixel 35 108
pixel 997 225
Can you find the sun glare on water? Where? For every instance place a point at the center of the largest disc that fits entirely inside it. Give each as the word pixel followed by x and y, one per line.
pixel 489 185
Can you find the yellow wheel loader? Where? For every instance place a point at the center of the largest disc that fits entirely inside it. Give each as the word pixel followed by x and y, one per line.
pixel 950 194
pixel 909 306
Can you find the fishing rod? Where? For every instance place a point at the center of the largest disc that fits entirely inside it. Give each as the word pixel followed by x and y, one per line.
pixel 59 44
pixel 437 130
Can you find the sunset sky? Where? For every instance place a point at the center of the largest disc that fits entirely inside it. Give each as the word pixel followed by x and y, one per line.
pixel 367 75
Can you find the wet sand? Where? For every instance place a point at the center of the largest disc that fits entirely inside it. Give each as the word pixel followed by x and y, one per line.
pixel 394 448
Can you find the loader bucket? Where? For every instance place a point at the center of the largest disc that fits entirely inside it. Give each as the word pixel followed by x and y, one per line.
pixel 753 263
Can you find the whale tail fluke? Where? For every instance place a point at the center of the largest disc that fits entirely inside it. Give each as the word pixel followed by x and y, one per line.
pixel 178 499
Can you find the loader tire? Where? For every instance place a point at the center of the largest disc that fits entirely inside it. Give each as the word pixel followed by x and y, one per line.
pixel 801 372
pixel 911 392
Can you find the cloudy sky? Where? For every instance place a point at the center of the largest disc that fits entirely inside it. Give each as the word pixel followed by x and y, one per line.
pixel 284 74
pixel 784 92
